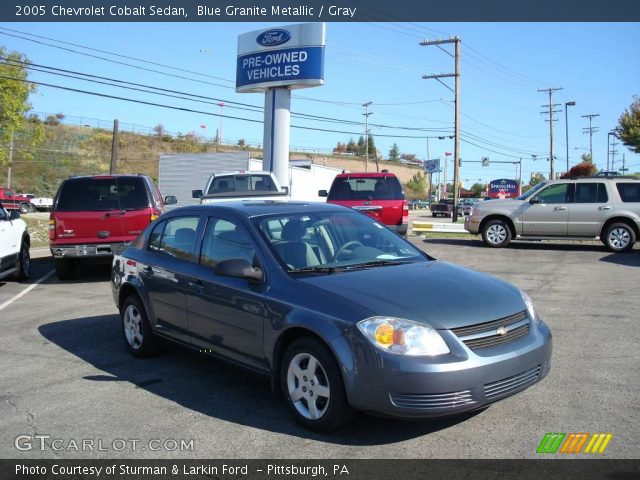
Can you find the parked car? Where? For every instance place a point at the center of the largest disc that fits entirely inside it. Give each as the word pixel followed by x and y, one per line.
pixel 39 203
pixel 226 187
pixel 341 313
pixel 417 204
pixel 14 245
pixel 444 208
pixel 467 205
pixel 378 195
pixel 97 216
pixel 592 208
pixel 11 201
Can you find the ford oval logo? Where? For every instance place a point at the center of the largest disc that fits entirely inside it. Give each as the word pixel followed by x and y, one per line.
pixel 274 37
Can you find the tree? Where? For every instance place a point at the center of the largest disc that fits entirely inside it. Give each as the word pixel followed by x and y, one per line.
pixel 408 156
pixel 478 189
pixel 584 169
pixel 340 148
pixel 628 129
pixel 372 146
pixel 418 184
pixel 241 143
pixel 361 146
pixel 394 153
pixel 159 130
pixel 14 96
pixel 586 157
pixel 351 146
pixel 536 178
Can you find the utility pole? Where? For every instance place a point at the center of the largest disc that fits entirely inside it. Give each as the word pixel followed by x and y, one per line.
pixel 591 130
pixel 566 127
pixel 551 120
pixel 456 148
pixel 114 149
pixel 10 161
pixel 613 151
pixel 366 133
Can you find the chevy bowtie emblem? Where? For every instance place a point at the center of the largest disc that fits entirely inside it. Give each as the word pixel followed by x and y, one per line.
pixel 501 331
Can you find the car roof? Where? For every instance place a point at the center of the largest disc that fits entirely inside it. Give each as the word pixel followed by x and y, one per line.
pixel 257 208
pixel 624 178
pixel 107 175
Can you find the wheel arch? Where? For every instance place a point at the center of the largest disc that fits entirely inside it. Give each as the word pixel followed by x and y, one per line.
pixel 499 216
pixel 619 219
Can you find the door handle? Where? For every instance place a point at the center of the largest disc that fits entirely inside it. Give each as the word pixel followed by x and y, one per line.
pixel 604 207
pixel 148 270
pixel 559 208
pixel 195 284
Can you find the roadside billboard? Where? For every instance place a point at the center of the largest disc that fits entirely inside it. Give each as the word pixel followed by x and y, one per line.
pixel 503 188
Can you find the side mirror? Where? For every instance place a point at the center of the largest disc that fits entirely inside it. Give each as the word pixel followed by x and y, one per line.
pixel 170 200
pixel 322 193
pixel 533 200
pixel 14 214
pixel 196 193
pixel 240 268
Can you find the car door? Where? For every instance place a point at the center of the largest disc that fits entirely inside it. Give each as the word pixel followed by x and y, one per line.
pixel 589 210
pixel 226 314
pixel 164 272
pixel 8 241
pixel 549 215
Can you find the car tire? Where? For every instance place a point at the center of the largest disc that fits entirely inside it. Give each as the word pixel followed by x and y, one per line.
pixel 136 329
pixel 434 215
pixel 24 208
pixel 619 237
pixel 65 268
pixel 496 233
pixel 24 263
pixel 32 208
pixel 329 409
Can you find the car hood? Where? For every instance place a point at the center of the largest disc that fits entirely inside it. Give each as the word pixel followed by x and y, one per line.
pixel 438 293
pixel 506 204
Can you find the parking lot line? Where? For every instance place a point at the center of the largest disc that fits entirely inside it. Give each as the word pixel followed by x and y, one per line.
pixel 26 290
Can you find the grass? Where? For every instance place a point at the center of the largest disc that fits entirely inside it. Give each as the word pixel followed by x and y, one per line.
pixel 38 230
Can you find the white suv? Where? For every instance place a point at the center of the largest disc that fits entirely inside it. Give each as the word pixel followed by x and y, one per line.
pixel 590 208
pixel 14 245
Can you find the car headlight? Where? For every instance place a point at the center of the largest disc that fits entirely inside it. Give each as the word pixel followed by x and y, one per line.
pixel 403 337
pixel 531 310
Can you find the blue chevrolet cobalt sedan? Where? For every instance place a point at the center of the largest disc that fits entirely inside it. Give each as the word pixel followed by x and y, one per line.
pixel 340 312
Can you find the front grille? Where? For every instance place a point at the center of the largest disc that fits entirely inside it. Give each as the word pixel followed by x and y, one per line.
pixel 510 385
pixel 485 335
pixel 432 401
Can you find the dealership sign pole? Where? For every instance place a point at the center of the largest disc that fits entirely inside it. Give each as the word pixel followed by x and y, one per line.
pixel 275 61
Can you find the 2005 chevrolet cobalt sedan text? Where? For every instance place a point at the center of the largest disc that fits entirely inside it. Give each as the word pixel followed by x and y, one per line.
pixel 342 313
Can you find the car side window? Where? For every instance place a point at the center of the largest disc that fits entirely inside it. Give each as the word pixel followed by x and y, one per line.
pixel 557 193
pixel 224 240
pixel 179 237
pixel 156 236
pixel 629 192
pixel 590 193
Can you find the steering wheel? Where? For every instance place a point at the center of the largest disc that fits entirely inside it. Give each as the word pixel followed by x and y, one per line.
pixel 345 247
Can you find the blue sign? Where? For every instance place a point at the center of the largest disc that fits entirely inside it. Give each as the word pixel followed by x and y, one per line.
pixel 274 37
pixel 281 67
pixel 503 188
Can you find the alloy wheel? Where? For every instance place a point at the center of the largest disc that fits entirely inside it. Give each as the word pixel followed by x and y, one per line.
pixel 133 327
pixel 308 386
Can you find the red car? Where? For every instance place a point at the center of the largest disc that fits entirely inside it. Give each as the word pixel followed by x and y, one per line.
pixel 378 195
pixel 97 216
pixel 11 201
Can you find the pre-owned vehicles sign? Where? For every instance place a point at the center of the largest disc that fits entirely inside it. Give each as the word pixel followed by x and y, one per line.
pixel 291 56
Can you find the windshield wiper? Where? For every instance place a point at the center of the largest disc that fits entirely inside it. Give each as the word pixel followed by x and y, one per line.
pixel 378 263
pixel 316 269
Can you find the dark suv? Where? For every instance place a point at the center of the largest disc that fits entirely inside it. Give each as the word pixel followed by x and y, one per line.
pixel 378 195
pixel 97 216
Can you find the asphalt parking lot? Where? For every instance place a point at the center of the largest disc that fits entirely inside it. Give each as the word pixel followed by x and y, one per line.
pixel 66 374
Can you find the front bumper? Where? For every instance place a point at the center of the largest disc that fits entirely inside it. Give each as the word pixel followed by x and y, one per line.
pixel 464 380
pixel 472 224
pixel 88 251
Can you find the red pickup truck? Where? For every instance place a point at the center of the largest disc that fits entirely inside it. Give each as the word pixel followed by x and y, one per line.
pixel 11 201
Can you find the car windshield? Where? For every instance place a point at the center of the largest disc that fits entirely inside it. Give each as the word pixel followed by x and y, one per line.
pixel 531 191
pixel 326 242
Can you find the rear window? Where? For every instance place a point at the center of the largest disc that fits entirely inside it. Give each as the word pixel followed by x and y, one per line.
pixel 242 183
pixel 102 194
pixel 629 192
pixel 366 188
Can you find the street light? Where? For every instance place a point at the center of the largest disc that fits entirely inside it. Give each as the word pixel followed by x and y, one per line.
pixel 566 127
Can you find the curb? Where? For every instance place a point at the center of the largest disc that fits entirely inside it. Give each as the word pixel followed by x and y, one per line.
pixel 417 227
